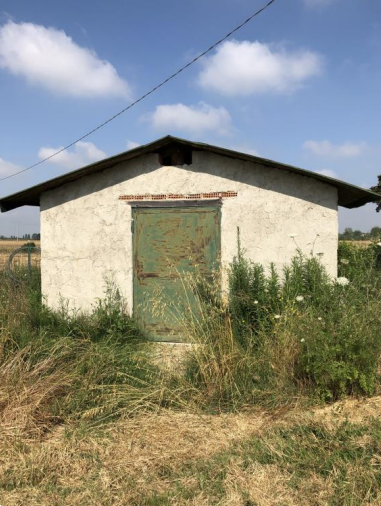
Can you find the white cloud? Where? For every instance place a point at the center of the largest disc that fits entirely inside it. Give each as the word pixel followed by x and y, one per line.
pixel 246 68
pixel 82 154
pixel 7 168
pixel 317 3
pixel 49 58
pixel 195 118
pixel 327 172
pixel 132 145
pixel 326 148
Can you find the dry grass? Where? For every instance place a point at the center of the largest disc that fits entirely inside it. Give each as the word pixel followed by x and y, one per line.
pixel 176 459
pixel 7 247
pixel 360 244
pixel 262 485
pixel 27 390
pixel 120 465
pixel 351 410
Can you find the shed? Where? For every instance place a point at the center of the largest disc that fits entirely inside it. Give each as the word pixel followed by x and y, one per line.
pixel 145 217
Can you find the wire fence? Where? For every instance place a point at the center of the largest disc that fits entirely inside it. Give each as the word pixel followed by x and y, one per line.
pixel 17 261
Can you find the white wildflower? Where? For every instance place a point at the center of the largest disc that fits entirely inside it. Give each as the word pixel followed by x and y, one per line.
pixel 378 244
pixel 344 261
pixel 299 298
pixel 277 316
pixel 255 302
pixel 342 281
pixel 320 318
pixel 302 340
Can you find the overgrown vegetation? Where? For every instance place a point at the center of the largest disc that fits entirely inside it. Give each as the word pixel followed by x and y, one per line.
pixel 295 335
pixel 60 366
pixel 279 339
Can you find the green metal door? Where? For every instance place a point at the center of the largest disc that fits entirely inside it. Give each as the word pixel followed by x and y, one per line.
pixel 169 245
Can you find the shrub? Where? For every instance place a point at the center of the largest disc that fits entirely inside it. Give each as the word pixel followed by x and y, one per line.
pixel 111 319
pixel 340 355
pixel 299 333
pixel 257 300
pixel 336 349
pixel 359 263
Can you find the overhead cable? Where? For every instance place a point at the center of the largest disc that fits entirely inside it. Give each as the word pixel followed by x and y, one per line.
pixel 175 74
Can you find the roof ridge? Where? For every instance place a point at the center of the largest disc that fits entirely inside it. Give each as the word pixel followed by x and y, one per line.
pixel 349 195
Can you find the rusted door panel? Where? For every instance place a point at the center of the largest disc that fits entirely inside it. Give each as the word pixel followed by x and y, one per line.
pixel 169 245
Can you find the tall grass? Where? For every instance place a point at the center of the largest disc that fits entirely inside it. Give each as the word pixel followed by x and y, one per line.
pixel 279 338
pixel 61 366
pixel 290 335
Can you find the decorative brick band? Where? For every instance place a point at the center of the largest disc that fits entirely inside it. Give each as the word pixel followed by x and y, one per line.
pixel 179 196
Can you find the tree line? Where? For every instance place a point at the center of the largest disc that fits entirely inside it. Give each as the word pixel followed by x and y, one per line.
pixel 26 237
pixel 357 235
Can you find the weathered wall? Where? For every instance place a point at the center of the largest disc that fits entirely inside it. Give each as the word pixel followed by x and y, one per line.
pixel 86 230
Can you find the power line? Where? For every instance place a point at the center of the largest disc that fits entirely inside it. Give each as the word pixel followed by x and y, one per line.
pixel 175 74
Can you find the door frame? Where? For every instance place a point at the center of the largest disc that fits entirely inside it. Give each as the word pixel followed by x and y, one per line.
pixel 144 204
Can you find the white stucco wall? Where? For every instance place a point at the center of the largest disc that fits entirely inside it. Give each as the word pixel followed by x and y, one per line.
pixel 86 231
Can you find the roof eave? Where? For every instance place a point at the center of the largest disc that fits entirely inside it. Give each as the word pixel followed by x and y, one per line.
pixel 349 196
pixel 361 202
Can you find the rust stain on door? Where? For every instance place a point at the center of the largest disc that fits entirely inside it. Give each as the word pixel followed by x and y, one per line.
pixel 169 246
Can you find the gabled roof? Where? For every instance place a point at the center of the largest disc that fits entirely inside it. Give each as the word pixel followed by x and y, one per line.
pixel 350 196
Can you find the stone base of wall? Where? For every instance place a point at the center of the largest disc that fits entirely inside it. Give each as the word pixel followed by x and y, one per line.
pixel 170 356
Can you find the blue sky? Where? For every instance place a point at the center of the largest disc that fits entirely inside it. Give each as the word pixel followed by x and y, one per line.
pixel 300 84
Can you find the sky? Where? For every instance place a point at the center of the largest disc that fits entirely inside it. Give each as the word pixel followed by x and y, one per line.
pixel 299 84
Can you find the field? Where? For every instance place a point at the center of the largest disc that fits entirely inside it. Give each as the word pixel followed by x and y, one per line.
pixel 360 244
pixel 278 403
pixel 7 247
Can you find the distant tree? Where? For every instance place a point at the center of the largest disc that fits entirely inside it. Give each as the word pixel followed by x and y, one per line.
pixel 358 235
pixel 375 233
pixel 36 237
pixel 377 189
pixel 347 235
